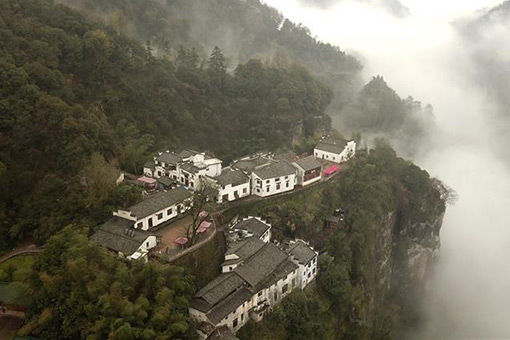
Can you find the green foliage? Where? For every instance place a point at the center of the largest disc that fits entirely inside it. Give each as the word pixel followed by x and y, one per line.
pixel 81 291
pixel 16 268
pixel 298 317
pixel 80 100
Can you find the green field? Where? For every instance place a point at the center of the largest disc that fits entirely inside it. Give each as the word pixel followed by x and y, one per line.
pixel 16 268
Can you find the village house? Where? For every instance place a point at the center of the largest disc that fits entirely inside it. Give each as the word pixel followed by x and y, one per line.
pixel 273 178
pixel 118 235
pixel 335 150
pixel 157 209
pixel 267 175
pixel 187 167
pixel 309 170
pixel 262 275
pixel 231 185
pixel 250 227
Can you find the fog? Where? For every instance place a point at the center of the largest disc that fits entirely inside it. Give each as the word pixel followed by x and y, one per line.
pixel 422 55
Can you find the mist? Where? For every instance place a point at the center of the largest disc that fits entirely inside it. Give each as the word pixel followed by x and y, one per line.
pixel 423 55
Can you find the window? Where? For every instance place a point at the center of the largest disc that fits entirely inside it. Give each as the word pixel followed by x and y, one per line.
pixel 333 157
pixel 147 244
pixel 259 294
pixel 285 289
pixel 140 225
pixel 244 191
pixel 150 222
pixel 234 323
pixel 286 177
pixel 277 186
pixel 276 296
pixel 159 173
pixel 309 275
pixel 267 182
pixel 242 317
pixel 293 282
pixel 313 271
pixel 267 189
pixel 277 179
pixel 170 211
pixel 287 184
pixel 191 184
pixel 160 216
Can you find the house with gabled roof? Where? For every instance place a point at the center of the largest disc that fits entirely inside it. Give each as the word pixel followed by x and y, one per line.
pixel 231 185
pixel 309 170
pixel 120 236
pixel 256 276
pixel 157 209
pixel 335 150
pixel 187 167
pixel 250 227
pixel 273 178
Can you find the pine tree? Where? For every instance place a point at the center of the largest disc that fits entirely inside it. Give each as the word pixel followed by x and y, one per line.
pixel 217 68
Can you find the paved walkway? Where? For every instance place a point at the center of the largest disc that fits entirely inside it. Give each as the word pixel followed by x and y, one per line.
pixel 24 250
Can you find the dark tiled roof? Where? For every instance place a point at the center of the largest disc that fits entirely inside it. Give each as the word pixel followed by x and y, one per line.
pixel 332 145
pixel 277 169
pixel 308 163
pixel 245 249
pixel 229 304
pixel 262 264
pixel 232 177
pixel 150 165
pixel 166 181
pixel 286 156
pixel 159 201
pixel 187 153
pixel 113 235
pixel 250 164
pixel 190 168
pixel 220 288
pixel 169 158
pixel 253 225
pixel 301 252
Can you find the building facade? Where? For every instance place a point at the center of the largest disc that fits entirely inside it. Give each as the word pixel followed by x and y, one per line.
pixel 335 150
pixel 157 209
pixel 256 276
pixel 309 170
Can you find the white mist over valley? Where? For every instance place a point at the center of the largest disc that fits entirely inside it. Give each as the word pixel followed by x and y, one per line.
pixel 422 55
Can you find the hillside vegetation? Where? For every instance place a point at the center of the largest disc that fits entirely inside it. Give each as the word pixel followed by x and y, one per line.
pixel 80 100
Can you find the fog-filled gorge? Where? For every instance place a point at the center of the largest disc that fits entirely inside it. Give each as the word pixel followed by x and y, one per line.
pixel 424 56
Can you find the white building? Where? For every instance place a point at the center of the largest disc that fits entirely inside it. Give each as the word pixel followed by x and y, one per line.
pixel 187 167
pixel 335 150
pixel 231 185
pixel 273 178
pixel 250 227
pixel 156 209
pixel 119 235
pixel 309 170
pixel 258 276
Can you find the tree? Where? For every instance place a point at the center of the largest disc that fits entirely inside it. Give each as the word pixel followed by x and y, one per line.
pixel 80 291
pixel 194 208
pixel 217 68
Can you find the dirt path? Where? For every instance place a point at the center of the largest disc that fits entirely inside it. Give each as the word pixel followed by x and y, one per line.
pixel 24 250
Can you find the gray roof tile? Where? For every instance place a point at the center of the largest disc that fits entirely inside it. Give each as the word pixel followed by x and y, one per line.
pixel 332 145
pixel 232 177
pixel 253 225
pixel 276 169
pixel 301 252
pixel 113 235
pixel 308 163
pixel 159 201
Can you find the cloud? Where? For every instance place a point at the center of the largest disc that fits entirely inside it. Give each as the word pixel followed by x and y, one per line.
pixel 423 55
pixel 393 7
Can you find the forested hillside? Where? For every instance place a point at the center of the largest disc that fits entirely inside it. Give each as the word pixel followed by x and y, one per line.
pixel 250 29
pixel 80 100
